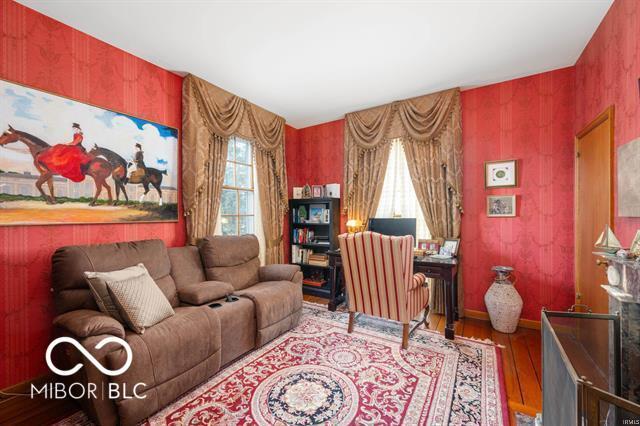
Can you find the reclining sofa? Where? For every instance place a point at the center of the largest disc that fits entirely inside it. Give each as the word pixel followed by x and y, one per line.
pixel 186 349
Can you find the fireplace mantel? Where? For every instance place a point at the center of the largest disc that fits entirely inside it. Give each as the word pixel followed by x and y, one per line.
pixel 624 299
pixel 629 270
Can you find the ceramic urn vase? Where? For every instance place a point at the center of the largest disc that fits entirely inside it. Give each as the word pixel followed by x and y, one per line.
pixel 503 301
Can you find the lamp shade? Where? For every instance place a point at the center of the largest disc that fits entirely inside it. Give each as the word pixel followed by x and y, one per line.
pixel 353 225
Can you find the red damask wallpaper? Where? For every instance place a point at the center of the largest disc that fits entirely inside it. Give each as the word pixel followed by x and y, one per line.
pixel 530 119
pixel 607 73
pixel 40 52
pixel 314 156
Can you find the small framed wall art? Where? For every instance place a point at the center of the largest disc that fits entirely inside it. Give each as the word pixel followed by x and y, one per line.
pixel 501 206
pixel 501 174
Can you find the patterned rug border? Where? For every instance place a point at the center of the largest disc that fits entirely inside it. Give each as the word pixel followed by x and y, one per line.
pixel 487 341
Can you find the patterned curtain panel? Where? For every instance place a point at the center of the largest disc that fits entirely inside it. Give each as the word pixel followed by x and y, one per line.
pixel 431 131
pixel 210 116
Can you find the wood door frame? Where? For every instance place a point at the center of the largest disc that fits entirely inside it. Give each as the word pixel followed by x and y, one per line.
pixel 607 114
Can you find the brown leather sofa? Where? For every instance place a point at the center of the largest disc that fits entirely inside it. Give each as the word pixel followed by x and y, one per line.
pixel 187 348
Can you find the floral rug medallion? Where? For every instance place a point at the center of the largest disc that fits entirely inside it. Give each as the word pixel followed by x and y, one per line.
pixel 320 374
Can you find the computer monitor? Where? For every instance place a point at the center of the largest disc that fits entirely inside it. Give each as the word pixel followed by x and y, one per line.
pixel 393 226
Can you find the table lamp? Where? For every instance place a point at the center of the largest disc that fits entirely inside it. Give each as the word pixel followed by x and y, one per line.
pixel 353 226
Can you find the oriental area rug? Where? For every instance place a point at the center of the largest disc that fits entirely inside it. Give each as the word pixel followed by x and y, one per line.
pixel 320 374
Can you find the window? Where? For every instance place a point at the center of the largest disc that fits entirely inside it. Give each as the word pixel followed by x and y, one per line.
pixel 237 208
pixel 398 197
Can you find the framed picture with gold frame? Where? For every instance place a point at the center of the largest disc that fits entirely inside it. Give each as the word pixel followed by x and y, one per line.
pixel 430 246
pixel 501 174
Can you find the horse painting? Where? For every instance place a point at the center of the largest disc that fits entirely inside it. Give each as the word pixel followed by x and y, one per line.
pixel 120 166
pixel 46 159
pixel 119 170
pixel 61 160
pixel 152 176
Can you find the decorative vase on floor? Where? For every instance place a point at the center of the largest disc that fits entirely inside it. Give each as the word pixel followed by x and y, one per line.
pixel 503 301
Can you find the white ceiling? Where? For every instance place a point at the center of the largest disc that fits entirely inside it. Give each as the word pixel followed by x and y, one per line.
pixel 311 62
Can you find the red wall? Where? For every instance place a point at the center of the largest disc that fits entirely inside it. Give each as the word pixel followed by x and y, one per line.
pixel 607 74
pixel 40 52
pixel 529 119
pixel 314 156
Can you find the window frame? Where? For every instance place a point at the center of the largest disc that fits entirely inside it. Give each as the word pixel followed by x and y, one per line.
pixel 237 189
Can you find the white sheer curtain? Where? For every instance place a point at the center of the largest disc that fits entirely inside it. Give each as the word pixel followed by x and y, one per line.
pixel 398 197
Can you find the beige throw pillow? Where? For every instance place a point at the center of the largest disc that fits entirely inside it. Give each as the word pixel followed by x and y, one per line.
pixel 140 301
pixel 98 284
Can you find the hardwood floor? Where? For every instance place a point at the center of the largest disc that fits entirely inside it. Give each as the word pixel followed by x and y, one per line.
pixel 521 359
pixel 521 362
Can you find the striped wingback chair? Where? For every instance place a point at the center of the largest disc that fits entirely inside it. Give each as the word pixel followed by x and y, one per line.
pixel 378 271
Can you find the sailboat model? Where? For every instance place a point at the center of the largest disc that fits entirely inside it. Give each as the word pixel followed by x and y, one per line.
pixel 608 241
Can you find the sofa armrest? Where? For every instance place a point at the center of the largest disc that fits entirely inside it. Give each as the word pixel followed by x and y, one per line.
pixel 278 272
pixel 85 323
pixel 204 292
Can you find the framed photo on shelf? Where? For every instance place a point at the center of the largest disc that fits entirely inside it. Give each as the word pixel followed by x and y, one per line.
pixel 501 174
pixel 450 246
pixel 316 213
pixel 316 191
pixel 501 206
pixel 297 192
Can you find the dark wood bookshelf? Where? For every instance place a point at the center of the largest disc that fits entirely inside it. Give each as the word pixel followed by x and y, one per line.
pixel 329 230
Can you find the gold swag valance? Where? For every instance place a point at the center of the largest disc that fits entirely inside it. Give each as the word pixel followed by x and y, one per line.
pixel 430 129
pixel 431 133
pixel 210 116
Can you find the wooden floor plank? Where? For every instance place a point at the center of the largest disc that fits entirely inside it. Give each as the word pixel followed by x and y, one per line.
pixel 529 384
pixel 535 351
pixel 476 329
pixel 508 367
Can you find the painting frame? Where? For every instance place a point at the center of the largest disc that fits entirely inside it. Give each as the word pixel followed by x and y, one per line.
pixel 510 208
pixel 176 190
pixel 509 167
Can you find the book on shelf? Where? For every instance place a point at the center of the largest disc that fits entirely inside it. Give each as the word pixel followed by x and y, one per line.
pixel 303 235
pixel 314 282
pixel 318 259
pixel 307 256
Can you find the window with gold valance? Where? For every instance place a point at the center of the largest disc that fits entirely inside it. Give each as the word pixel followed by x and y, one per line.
pixel 211 116
pixel 431 133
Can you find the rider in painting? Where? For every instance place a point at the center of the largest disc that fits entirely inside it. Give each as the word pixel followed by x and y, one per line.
pixel 69 159
pixel 138 175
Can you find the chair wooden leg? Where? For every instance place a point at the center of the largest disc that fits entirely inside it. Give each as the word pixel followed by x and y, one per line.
pixel 352 316
pixel 425 320
pixel 405 336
